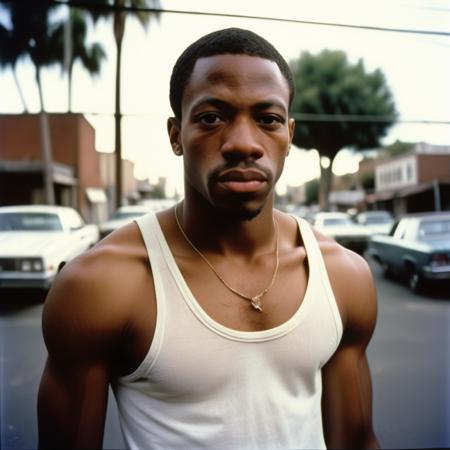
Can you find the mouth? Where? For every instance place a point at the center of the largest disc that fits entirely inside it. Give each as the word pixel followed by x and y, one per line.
pixel 242 180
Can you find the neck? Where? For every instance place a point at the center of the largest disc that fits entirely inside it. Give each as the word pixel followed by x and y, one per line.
pixel 216 231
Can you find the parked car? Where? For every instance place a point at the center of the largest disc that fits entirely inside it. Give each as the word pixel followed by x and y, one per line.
pixel 122 216
pixel 376 222
pixel 417 248
pixel 126 214
pixel 37 240
pixel 340 226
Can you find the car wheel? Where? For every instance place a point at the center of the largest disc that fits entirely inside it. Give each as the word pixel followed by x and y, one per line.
pixel 414 281
pixel 386 270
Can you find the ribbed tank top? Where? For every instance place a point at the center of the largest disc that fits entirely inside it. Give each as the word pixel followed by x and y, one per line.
pixel 205 386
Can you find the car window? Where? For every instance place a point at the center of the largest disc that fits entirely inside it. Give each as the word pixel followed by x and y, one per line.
pixel 29 221
pixel 434 229
pixel 74 220
pixel 401 229
pixel 374 219
pixel 337 221
pixel 378 220
pixel 127 214
pixel 411 230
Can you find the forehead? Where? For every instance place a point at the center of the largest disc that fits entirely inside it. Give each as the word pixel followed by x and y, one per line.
pixel 247 76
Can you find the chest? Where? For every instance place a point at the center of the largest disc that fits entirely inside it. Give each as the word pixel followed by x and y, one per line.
pixel 225 294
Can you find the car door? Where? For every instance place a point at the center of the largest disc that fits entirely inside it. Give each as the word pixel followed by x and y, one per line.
pixel 79 234
pixel 390 246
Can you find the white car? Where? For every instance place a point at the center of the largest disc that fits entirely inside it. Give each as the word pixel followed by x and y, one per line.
pixel 341 228
pixel 377 222
pixel 37 240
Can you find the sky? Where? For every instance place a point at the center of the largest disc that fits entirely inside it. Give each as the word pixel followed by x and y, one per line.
pixel 417 68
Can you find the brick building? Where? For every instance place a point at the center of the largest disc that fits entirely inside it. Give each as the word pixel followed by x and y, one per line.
pixel 417 181
pixel 75 169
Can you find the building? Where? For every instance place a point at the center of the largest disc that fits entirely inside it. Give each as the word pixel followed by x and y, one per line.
pixel 74 165
pixel 416 181
pixel 130 189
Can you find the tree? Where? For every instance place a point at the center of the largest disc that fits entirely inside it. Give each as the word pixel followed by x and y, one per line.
pixel 398 148
pixel 31 33
pixel 336 106
pixel 312 191
pixel 11 50
pixel 90 56
pixel 120 15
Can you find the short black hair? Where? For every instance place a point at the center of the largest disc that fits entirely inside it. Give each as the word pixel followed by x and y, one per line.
pixel 235 41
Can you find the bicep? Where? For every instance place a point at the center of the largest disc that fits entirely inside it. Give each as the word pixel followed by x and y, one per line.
pixel 347 400
pixel 72 404
pixel 346 379
pixel 79 334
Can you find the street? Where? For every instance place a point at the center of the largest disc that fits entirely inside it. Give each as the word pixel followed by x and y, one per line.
pixel 409 359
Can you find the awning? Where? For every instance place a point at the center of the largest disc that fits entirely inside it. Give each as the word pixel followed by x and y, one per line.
pixel 405 192
pixel 61 173
pixel 96 195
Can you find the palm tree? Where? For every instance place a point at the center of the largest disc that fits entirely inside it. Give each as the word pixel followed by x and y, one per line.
pixel 30 31
pixel 119 21
pixel 90 56
pixel 11 50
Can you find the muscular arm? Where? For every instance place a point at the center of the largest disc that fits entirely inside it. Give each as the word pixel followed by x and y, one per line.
pixel 347 391
pixel 87 327
pixel 78 334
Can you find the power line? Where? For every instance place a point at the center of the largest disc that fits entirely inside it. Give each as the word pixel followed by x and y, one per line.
pixel 308 117
pixel 113 8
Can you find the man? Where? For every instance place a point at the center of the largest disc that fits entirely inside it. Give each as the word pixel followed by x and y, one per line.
pixel 221 323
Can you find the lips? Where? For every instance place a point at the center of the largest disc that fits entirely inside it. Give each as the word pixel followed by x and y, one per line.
pixel 242 175
pixel 242 180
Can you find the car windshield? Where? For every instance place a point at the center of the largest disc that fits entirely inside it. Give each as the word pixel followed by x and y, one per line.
pixel 337 221
pixel 435 229
pixel 127 214
pixel 373 220
pixel 29 221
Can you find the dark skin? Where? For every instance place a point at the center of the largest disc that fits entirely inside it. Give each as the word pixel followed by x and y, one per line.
pixel 99 317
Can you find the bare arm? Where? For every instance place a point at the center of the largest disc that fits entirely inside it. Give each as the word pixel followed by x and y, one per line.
pixel 80 328
pixel 347 391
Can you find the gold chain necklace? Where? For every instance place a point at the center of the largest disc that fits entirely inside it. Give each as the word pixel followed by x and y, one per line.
pixel 256 300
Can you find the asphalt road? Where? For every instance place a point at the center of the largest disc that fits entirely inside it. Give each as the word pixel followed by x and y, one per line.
pixel 409 359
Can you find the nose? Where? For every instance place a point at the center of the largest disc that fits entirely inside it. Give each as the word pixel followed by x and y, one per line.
pixel 240 140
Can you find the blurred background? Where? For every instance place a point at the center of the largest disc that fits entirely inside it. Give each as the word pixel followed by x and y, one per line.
pixel 83 149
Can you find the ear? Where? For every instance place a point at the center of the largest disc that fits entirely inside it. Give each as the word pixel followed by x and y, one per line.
pixel 174 128
pixel 291 126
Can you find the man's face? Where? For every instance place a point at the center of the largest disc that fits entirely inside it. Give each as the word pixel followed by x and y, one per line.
pixel 235 132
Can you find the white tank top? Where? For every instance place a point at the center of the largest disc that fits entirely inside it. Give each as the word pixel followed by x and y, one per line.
pixel 205 386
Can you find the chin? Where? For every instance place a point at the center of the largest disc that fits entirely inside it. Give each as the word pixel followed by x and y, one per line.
pixel 239 212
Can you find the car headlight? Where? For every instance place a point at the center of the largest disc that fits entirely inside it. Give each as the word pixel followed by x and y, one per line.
pixel 31 265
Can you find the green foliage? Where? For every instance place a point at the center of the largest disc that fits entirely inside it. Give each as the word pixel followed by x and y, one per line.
pixel 368 181
pixel 312 191
pixel 398 148
pixel 142 16
pixel 90 55
pixel 30 35
pixel 328 84
pixel 119 19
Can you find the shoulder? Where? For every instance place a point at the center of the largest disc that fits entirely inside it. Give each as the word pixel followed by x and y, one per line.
pixel 95 296
pixel 353 287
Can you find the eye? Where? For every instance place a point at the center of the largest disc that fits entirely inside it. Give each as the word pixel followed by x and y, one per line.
pixel 210 118
pixel 271 120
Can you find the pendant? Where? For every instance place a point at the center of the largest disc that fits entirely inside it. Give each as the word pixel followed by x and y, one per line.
pixel 256 302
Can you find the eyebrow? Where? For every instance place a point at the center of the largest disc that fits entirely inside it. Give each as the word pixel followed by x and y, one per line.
pixel 222 104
